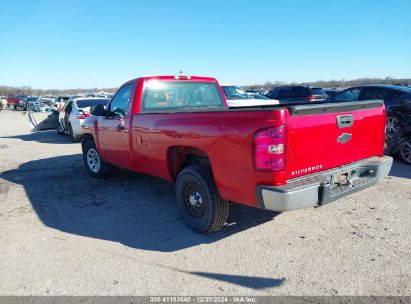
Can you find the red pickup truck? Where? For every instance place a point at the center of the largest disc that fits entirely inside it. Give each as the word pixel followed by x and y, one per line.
pixel 15 101
pixel 282 157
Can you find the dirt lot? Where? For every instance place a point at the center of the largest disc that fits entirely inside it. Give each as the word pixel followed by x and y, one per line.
pixel 64 233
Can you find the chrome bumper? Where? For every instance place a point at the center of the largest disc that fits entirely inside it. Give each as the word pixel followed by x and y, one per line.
pixel 316 189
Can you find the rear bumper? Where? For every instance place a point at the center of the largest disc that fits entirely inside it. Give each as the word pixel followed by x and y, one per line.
pixel 316 190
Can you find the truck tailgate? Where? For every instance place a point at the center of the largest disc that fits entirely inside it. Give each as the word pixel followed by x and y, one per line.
pixel 326 136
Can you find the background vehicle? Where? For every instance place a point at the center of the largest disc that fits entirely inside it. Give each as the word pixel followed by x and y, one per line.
pixel 297 94
pixel 237 97
pixel 30 101
pixel 257 96
pixel 391 94
pixel 74 113
pixel 15 101
pixel 274 157
pixel 47 100
pixel 255 91
pixel 330 92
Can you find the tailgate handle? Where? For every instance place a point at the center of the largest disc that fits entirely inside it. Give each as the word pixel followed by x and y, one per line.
pixel 345 121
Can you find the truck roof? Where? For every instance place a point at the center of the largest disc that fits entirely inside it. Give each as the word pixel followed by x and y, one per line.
pixel 180 77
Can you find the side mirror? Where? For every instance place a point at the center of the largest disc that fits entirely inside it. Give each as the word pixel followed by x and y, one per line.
pixel 98 110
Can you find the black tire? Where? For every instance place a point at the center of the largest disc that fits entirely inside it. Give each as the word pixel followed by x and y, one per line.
pixel 205 213
pixel 96 167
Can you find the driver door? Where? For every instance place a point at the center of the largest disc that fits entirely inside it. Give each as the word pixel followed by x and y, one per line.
pixel 114 129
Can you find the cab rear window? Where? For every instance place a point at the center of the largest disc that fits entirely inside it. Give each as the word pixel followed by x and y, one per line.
pixel 163 96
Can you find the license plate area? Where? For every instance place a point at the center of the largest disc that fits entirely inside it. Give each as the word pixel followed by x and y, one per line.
pixel 340 178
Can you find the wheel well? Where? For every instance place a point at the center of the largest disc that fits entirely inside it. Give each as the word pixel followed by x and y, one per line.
pixel 85 139
pixel 179 157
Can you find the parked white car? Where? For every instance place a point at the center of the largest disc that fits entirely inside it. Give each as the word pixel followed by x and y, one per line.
pixel 30 102
pixel 237 97
pixel 73 114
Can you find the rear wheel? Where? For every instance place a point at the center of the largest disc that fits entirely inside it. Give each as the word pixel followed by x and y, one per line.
pixel 95 166
pixel 405 151
pixel 199 201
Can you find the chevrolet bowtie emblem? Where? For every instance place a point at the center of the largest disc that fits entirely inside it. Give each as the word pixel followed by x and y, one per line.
pixel 344 138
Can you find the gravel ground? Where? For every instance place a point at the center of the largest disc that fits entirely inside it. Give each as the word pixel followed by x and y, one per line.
pixel 64 233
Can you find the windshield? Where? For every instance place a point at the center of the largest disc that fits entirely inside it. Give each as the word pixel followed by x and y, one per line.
pixel 234 92
pixel 178 95
pixel 85 103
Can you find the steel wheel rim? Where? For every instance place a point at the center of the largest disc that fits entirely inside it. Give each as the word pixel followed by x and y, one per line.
pixel 93 160
pixel 193 200
pixel 406 151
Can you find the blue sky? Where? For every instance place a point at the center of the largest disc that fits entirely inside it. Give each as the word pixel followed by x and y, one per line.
pixel 73 44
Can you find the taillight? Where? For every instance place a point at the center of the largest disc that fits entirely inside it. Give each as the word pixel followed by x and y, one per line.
pixel 309 98
pixel 269 146
pixel 83 116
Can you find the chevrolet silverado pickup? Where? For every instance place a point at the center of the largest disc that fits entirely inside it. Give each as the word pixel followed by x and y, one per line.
pixel 277 157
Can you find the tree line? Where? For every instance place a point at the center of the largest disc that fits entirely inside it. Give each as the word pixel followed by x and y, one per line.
pixel 334 83
pixel 27 90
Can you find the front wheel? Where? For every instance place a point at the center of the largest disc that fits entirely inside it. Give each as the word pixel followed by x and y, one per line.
pixel 199 201
pixel 95 166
